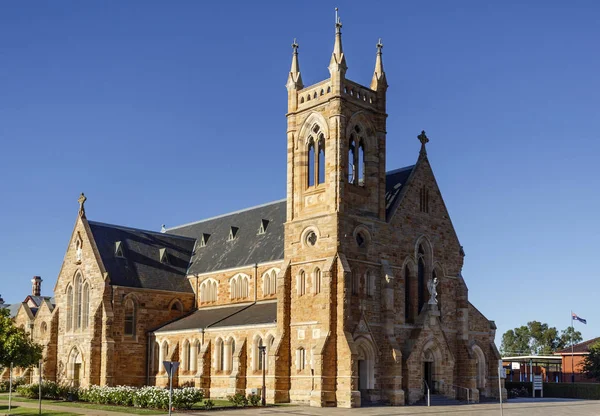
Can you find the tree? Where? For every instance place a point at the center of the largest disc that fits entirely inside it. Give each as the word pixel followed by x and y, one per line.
pixel 569 336
pixel 591 363
pixel 15 345
pixel 536 338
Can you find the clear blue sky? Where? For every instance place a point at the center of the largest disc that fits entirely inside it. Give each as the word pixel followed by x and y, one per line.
pixel 170 112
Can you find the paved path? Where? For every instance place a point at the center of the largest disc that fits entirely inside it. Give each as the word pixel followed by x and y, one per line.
pixel 517 407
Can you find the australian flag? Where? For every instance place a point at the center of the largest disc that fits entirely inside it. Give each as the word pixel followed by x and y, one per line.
pixel 577 318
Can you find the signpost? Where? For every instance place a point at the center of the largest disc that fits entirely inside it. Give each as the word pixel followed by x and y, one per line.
pixel 501 375
pixel 171 367
pixel 40 385
pixel 10 387
pixel 538 384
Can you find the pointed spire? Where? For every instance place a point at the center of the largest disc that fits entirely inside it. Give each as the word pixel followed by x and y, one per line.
pixel 338 60
pixel 379 80
pixel 295 79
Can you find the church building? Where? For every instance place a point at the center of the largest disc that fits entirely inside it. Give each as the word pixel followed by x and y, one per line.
pixel 352 283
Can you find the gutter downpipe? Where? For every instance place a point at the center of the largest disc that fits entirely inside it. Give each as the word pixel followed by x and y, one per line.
pixel 255 281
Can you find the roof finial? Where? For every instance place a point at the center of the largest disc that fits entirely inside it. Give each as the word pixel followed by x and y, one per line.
pixel 423 139
pixel 163 229
pixel 295 79
pixel 81 201
pixel 338 60
pixel 379 80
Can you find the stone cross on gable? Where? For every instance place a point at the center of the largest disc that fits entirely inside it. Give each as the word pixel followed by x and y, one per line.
pixel 424 140
pixel 81 201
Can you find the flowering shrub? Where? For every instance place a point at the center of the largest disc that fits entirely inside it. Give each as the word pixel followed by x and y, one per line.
pixel 151 397
pixel 146 397
pixel 5 384
pixel 186 397
pixel 50 390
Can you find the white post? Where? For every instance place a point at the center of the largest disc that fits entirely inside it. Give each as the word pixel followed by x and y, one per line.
pixel 170 389
pixel 428 397
pixel 40 386
pixel 10 387
pixel 500 373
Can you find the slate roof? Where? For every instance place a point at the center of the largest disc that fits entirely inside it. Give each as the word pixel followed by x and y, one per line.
pixel 140 265
pixel 582 347
pixel 13 308
pixel 247 248
pixel 39 299
pixel 394 183
pixel 226 316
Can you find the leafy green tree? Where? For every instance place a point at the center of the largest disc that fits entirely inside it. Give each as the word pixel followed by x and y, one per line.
pixel 15 345
pixel 591 363
pixel 536 338
pixel 567 335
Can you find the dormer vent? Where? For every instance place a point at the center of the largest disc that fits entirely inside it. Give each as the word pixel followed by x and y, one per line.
pixel 164 256
pixel 263 226
pixel 204 239
pixel 119 249
pixel 233 233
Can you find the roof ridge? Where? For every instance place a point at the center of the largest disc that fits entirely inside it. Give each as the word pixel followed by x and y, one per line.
pixel 391 172
pixel 123 227
pixel 227 214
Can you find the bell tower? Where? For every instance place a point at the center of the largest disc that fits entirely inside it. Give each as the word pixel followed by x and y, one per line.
pixel 336 131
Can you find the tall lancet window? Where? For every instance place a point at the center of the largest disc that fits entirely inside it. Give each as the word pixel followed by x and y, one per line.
pixel 78 302
pixel 321 160
pixel 361 163
pixel 311 162
pixel 407 283
pixel 421 278
pixel 356 157
pixel 351 157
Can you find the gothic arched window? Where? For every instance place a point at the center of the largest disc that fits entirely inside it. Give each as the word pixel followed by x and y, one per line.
pixel 130 318
pixel 86 304
pixel 69 308
pixel 321 160
pixel 260 360
pixel 361 163
pixel 421 278
pixel 301 284
pixel 407 284
pixel 351 162
pixel 317 283
pixel 78 304
pixel 311 162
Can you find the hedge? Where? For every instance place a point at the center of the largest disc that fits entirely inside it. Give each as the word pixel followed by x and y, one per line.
pixel 573 390
pixel 590 391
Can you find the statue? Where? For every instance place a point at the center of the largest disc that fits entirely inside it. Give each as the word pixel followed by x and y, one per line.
pixel 432 287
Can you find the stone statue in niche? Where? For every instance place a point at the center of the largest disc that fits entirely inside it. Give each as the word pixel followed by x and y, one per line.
pixel 432 287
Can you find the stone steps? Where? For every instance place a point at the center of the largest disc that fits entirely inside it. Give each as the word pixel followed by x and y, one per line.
pixel 439 400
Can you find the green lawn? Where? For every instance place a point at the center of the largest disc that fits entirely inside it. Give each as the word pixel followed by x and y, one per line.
pixel 83 405
pixel 29 411
pixel 219 404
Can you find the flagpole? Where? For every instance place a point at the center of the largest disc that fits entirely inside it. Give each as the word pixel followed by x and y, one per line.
pixel 572 371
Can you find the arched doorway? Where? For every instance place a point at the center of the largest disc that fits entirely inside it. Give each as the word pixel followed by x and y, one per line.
pixel 76 367
pixel 432 369
pixel 480 365
pixel 366 367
